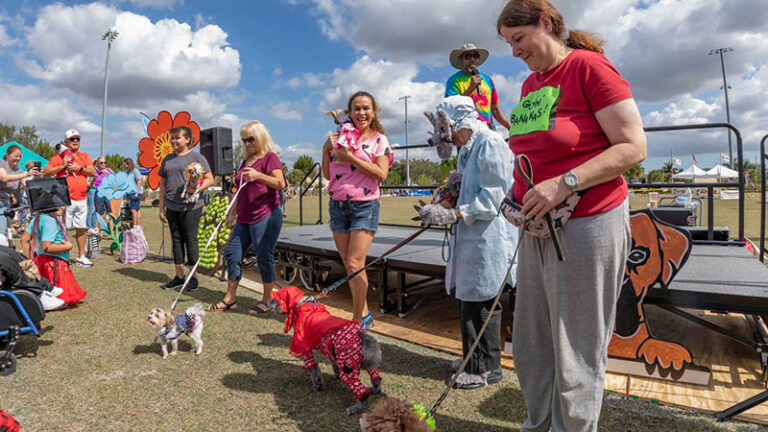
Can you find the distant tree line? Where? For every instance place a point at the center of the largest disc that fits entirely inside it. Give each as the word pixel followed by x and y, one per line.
pixel 27 136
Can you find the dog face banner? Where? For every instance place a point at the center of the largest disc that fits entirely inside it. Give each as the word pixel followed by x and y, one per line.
pixel 156 144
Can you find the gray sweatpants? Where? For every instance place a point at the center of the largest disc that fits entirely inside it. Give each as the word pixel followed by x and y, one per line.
pixel 564 315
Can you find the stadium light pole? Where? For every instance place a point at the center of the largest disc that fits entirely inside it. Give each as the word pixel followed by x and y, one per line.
pixel 727 109
pixel 110 37
pixel 407 161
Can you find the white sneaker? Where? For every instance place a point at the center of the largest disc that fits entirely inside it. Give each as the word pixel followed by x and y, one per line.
pixel 57 291
pixel 83 262
pixel 50 302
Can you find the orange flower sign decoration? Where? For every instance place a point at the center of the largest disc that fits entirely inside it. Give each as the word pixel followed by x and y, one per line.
pixel 157 144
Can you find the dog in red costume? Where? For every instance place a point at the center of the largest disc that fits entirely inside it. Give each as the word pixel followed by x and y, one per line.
pixel 345 343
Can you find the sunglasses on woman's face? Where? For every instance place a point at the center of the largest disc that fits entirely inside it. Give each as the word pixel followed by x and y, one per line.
pixel 74 139
pixel 470 56
pixel 249 140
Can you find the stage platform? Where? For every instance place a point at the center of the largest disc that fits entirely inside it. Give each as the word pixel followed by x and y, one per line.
pixel 417 267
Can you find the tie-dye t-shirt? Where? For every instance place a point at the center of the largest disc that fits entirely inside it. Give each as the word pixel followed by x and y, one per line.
pixel 348 183
pixel 459 82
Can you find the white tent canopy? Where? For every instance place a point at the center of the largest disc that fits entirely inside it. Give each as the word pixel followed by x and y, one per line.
pixel 690 173
pixel 721 171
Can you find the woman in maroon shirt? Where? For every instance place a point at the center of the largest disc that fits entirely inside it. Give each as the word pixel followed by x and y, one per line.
pixel 256 216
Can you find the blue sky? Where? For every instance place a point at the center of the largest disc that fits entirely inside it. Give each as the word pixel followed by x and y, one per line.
pixel 285 61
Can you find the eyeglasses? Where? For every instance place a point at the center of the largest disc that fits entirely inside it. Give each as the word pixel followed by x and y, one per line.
pixel 75 139
pixel 249 140
pixel 470 56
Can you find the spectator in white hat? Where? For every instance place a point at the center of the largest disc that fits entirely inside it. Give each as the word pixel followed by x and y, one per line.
pixel 76 166
pixel 469 81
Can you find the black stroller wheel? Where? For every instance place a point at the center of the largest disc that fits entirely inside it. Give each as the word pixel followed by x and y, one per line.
pixel 7 363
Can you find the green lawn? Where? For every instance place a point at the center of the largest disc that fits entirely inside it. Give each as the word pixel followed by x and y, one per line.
pixel 97 367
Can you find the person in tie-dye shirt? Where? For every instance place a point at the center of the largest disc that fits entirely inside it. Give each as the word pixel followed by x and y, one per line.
pixel 469 81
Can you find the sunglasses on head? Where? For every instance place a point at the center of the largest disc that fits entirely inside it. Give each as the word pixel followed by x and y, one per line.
pixel 470 56
pixel 75 139
pixel 249 140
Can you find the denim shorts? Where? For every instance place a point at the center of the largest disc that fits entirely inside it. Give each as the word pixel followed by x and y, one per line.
pixel 354 215
pixel 135 202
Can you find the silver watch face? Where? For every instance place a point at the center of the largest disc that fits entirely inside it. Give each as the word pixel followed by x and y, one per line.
pixel 571 180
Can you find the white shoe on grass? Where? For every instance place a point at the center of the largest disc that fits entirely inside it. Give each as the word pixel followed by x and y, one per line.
pixel 50 302
pixel 83 262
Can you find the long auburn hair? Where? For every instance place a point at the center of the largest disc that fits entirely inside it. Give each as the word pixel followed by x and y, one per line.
pixel 529 12
pixel 375 123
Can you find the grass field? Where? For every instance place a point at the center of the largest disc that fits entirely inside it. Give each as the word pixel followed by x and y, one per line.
pixel 97 367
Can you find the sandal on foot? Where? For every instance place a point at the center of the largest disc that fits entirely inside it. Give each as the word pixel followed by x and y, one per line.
pixel 260 308
pixel 227 306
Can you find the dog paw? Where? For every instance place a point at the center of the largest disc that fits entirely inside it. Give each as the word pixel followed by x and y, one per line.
pixel 376 387
pixel 665 354
pixel 172 353
pixel 198 351
pixel 317 379
pixel 165 356
pixel 357 408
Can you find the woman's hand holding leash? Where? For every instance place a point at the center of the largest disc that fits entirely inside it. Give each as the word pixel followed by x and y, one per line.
pixel 543 197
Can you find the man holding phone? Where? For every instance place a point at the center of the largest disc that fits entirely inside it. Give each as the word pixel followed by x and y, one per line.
pixel 469 81
pixel 76 166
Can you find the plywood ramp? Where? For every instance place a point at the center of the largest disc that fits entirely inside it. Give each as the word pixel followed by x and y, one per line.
pixel 736 373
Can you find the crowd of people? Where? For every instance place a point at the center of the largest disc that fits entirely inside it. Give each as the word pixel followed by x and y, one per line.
pixel 585 133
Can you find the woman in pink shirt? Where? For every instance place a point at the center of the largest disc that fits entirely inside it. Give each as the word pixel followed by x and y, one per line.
pixel 355 164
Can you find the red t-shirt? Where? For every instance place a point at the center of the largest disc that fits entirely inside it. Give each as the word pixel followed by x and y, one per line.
pixel 257 200
pixel 78 183
pixel 555 126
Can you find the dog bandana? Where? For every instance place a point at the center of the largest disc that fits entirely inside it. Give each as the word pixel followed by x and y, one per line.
pixel 182 324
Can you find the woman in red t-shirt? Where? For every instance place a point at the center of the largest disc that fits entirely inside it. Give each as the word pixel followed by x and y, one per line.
pixel 579 125
pixel 256 217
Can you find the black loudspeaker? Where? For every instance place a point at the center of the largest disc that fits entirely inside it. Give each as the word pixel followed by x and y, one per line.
pixel 216 147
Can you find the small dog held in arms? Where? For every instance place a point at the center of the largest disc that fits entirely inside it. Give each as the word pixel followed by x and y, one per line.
pixel 169 327
pixel 349 136
pixel 345 343
pixel 194 175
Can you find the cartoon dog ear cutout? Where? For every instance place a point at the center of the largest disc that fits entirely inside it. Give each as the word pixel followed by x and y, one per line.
pixel 669 247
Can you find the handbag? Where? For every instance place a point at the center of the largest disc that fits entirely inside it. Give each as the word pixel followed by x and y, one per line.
pixel 134 249
pixel 554 220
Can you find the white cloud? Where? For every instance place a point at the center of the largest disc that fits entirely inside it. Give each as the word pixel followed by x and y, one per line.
pixel 166 59
pixel 158 4
pixel 286 111
pixel 5 40
pixel 411 30
pixel 387 82
pixel 51 113
pixel 289 154
pixel 278 71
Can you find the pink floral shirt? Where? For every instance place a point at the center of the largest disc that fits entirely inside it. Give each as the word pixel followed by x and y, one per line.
pixel 348 183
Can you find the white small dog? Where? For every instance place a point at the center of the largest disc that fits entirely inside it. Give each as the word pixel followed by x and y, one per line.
pixel 170 327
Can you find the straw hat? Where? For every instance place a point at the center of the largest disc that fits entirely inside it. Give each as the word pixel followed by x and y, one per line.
pixel 457 53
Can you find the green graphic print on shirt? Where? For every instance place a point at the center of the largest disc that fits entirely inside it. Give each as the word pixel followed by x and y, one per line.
pixel 535 112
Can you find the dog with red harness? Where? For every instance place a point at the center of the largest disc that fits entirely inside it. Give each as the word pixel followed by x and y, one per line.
pixel 345 343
